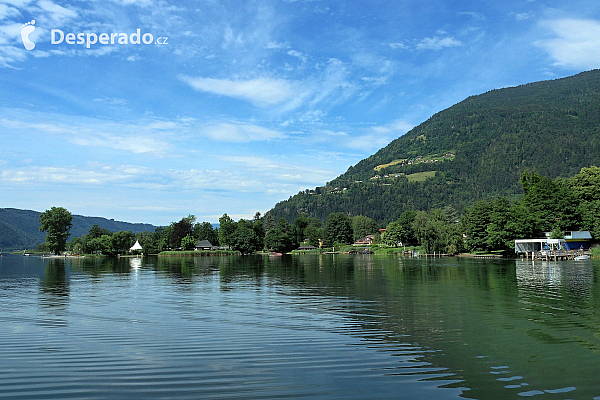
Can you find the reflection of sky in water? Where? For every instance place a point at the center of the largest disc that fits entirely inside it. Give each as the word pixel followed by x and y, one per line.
pixel 135 263
pixel 538 274
pixel 550 277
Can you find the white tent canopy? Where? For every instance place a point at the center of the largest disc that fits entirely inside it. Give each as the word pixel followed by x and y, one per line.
pixel 136 246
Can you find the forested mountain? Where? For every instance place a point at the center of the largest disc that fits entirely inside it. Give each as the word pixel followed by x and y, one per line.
pixel 19 229
pixel 474 150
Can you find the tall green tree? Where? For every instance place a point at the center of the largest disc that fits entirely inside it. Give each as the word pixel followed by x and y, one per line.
pixel 586 189
pixel 338 229
pixel 122 241
pixel 96 232
pixel 188 243
pixel 475 221
pixel 180 230
pixel 363 226
pixel 437 231
pixel 313 233
pixel 205 231
pixel 56 222
pixel 278 240
pixel 244 238
pixel 226 229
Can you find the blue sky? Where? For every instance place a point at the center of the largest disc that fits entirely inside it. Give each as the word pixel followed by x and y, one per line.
pixel 248 102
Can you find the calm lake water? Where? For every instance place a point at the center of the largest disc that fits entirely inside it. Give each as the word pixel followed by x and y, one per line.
pixel 332 327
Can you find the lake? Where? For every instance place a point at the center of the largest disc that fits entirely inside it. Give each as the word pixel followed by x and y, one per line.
pixel 319 327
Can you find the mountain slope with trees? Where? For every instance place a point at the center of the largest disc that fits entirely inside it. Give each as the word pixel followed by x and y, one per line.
pixel 474 150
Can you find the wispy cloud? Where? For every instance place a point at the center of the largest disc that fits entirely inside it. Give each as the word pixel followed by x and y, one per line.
pixel 574 42
pixel 398 45
pixel 7 11
pixel 57 13
pixel 522 16
pixel 262 92
pixel 230 132
pixel 475 15
pixel 277 171
pixel 377 137
pixel 437 43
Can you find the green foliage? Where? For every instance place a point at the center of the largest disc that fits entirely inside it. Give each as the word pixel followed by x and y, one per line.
pixel 121 242
pixel 437 232
pixel 56 222
pixel 586 189
pixel 400 231
pixel 280 241
pixel 244 239
pixel 96 232
pixel 188 243
pixel 226 229
pixel 312 234
pixel 205 231
pixel 181 229
pixel 556 233
pixel 363 226
pixel 338 229
pixel 148 241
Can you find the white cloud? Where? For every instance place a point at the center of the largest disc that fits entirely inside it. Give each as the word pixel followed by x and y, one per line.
pixel 139 137
pixel 437 43
pixel 398 45
pixel 73 175
pixel 574 44
pixel 7 12
pixel 229 132
pixel 522 16
pixel 113 101
pixel 263 92
pixel 56 12
pixel 297 54
pixel 377 137
pixel 276 45
pixel 276 171
pixel 477 16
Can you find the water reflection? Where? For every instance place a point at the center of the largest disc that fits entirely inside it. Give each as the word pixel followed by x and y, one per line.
pixel 552 277
pixel 313 326
pixel 54 294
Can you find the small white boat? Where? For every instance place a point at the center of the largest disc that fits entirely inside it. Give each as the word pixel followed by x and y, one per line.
pixel 582 257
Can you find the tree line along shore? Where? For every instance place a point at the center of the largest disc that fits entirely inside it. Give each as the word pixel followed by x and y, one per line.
pixel 487 226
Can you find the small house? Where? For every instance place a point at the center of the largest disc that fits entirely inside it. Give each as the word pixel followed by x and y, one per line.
pixel 575 240
pixel 305 248
pixel 204 245
pixel 367 240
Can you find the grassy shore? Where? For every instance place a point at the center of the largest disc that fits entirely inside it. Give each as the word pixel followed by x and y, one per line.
pixel 195 253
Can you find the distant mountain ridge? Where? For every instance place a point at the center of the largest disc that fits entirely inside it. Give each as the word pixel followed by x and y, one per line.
pixel 19 229
pixel 473 150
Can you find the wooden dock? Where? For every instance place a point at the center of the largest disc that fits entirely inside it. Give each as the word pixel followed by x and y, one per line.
pixel 556 255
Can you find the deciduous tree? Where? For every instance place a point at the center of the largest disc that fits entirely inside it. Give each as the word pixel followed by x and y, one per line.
pixel 56 222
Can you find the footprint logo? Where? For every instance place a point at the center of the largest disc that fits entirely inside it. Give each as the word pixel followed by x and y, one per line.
pixel 26 29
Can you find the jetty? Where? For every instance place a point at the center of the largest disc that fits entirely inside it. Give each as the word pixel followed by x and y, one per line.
pixel 555 255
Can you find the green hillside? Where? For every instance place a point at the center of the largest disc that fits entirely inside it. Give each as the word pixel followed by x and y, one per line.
pixel 19 229
pixel 473 150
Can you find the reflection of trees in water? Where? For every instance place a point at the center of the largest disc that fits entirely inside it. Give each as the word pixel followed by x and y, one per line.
pixel 97 266
pixel 54 294
pixel 187 270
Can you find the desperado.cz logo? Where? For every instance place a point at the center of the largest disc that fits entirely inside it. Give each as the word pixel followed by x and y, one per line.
pixel 88 39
